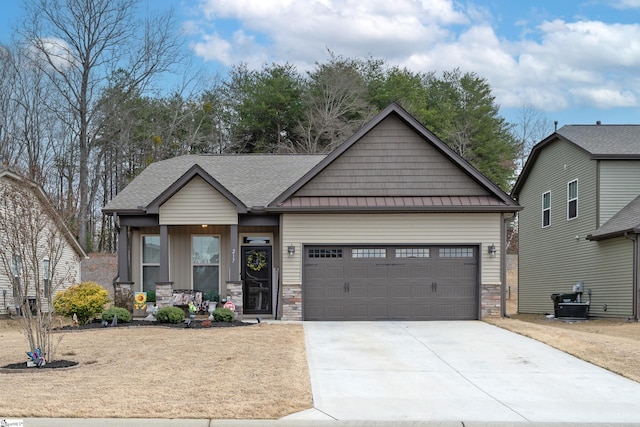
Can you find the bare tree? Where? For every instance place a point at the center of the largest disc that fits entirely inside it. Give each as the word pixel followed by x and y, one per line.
pixel 336 105
pixel 80 44
pixel 34 253
pixel 531 127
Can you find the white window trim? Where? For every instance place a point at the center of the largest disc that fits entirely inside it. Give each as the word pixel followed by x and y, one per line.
pixel 146 264
pixel 546 209
pixel 218 264
pixel 576 199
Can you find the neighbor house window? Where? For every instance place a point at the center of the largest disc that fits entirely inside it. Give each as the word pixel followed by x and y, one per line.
pixel 546 209
pixel 572 199
pixel 205 261
pixel 150 262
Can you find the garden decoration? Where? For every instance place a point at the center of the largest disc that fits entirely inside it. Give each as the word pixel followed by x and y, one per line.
pixel 37 358
pixel 192 313
pixel 256 261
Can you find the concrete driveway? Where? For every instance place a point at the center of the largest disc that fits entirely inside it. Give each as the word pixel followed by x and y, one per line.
pixel 465 371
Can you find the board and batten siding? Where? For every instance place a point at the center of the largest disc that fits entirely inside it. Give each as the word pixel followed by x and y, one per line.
pixel 391 229
pixel 198 203
pixel 392 160
pixel 180 267
pixel 619 185
pixel 554 258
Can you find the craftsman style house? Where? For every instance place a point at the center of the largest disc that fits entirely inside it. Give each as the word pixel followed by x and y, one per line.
pixel 391 225
pixel 57 251
pixel 581 219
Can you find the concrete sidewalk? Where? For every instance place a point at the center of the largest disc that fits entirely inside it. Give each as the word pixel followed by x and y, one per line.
pixel 456 371
pixel 129 422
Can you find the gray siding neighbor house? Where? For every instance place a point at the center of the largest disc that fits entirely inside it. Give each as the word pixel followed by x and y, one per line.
pixel 581 219
pixel 53 241
pixel 391 225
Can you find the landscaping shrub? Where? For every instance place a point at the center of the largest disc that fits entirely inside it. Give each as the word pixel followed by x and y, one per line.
pixel 170 315
pixel 151 296
pixel 223 315
pixel 212 295
pixel 85 300
pixel 123 314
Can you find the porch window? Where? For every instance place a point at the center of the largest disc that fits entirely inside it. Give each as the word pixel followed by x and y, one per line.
pixel 572 199
pixel 205 259
pixel 546 209
pixel 150 262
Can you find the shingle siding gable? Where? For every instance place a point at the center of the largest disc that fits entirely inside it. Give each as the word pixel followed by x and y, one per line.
pixel 392 160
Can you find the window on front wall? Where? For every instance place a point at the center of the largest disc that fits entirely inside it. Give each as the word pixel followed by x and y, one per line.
pixel 572 199
pixel 150 262
pixel 205 261
pixel 546 209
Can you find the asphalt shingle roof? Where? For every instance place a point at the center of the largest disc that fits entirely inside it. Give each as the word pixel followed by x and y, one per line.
pixel 255 179
pixel 627 219
pixel 604 140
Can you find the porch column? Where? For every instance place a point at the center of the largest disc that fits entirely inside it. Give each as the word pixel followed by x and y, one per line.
pixel 163 274
pixel 234 271
pixel 123 254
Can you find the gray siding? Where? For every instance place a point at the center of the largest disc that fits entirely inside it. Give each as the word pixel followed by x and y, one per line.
pixel 198 203
pixel 619 185
pixel 392 160
pixel 392 229
pixel 180 252
pixel 554 258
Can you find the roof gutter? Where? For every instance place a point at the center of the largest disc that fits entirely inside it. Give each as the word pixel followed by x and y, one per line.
pixel 634 239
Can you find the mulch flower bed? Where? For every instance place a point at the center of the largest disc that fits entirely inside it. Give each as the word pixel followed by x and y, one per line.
pixel 195 324
pixel 54 364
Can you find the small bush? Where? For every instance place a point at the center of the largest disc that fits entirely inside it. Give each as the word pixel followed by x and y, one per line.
pixel 223 315
pixel 170 315
pixel 123 314
pixel 212 295
pixel 206 323
pixel 151 296
pixel 85 300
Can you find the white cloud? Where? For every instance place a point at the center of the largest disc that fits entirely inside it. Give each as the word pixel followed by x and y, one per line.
pixel 552 65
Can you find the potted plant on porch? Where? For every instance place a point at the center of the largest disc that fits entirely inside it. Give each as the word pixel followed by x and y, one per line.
pixel 213 297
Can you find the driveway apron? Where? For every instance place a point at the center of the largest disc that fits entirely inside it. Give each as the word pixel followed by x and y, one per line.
pixel 457 371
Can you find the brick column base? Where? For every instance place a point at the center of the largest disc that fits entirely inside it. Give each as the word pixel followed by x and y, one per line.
pixel 491 300
pixel 234 289
pixel 292 302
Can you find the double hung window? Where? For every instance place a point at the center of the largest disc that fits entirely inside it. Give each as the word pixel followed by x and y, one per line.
pixel 572 199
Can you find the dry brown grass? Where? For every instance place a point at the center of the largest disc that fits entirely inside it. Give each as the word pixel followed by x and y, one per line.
pixel 611 344
pixel 252 372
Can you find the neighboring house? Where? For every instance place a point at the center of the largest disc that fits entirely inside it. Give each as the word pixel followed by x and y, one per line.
pixel 581 219
pixel 67 269
pixel 391 225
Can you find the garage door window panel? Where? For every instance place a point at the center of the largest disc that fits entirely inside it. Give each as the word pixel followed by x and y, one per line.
pixel 365 253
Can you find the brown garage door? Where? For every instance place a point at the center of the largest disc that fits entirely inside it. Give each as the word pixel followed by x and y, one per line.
pixel 390 283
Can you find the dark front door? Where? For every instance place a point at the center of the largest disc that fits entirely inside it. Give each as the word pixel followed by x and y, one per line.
pixel 256 274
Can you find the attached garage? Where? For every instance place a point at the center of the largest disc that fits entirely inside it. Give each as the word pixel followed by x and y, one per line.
pixel 372 282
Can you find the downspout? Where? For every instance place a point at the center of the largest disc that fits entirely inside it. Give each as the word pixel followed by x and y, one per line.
pixel 627 235
pixel 503 264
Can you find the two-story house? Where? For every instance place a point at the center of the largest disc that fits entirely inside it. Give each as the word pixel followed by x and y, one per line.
pixel 581 219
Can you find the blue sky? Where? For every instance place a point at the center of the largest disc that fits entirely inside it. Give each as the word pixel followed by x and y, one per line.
pixel 578 61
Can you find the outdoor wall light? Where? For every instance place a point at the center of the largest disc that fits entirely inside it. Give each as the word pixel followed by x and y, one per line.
pixel 291 250
pixel 492 250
